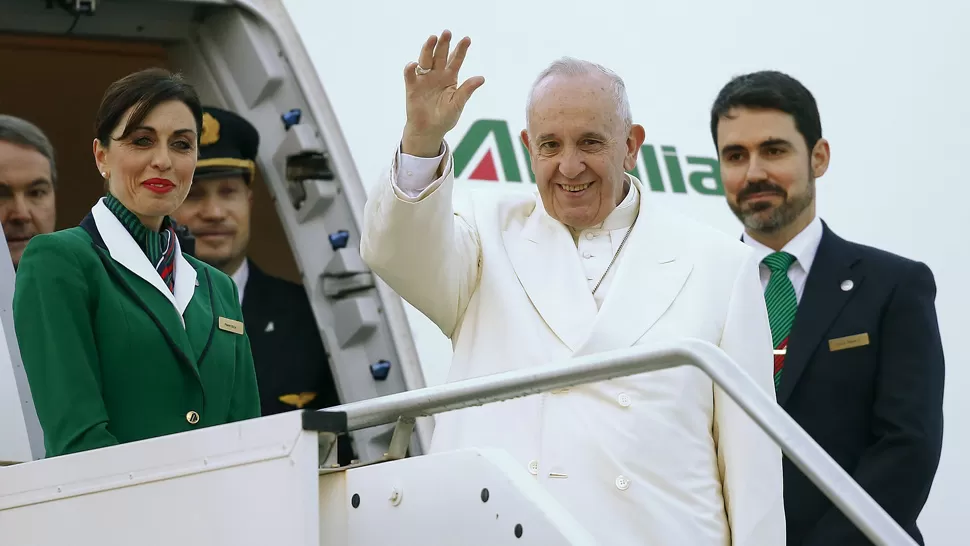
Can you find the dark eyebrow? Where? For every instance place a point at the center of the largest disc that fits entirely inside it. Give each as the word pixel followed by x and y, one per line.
pixel 152 130
pixel 776 142
pixel 731 148
pixel 37 183
pixel 780 142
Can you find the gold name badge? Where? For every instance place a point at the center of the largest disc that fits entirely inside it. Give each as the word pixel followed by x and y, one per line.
pixel 229 325
pixel 848 342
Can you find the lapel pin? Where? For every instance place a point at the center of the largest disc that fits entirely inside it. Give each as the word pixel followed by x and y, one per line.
pixel 270 327
pixel 847 285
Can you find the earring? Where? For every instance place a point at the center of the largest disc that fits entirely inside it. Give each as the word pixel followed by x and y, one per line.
pixel 104 174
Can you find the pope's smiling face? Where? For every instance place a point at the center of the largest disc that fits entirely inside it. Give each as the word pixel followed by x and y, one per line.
pixel 580 148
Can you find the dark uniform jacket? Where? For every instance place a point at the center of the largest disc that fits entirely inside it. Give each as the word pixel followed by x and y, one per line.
pixel 292 367
pixel 864 377
pixel 107 355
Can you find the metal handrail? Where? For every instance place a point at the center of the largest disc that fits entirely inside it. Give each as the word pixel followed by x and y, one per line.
pixel 800 448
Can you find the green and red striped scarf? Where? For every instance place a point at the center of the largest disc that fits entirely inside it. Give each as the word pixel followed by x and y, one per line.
pixel 158 246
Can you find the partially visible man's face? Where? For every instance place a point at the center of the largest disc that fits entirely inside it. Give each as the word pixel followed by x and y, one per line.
pixel 217 212
pixel 767 170
pixel 27 205
pixel 580 149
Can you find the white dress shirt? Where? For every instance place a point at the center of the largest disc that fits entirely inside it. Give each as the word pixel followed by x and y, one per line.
pixel 596 245
pixel 803 247
pixel 240 277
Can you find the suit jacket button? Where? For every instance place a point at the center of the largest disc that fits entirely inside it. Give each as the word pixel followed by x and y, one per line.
pixel 192 417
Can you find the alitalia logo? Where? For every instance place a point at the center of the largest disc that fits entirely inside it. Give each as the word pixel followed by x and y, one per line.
pixel 487 153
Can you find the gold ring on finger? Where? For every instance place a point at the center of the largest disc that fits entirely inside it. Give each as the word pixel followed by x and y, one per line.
pixel 421 71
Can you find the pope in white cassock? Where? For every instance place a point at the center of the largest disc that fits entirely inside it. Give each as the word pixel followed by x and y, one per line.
pixel 587 265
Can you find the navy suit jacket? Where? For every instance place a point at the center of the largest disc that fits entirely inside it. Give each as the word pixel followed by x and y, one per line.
pixel 292 366
pixel 876 408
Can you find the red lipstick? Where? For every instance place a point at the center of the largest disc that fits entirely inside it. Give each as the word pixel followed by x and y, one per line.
pixel 158 185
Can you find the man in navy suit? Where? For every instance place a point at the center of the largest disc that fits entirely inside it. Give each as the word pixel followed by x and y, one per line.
pixel 858 358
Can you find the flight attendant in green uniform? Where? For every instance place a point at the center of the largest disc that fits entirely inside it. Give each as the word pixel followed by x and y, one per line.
pixel 123 337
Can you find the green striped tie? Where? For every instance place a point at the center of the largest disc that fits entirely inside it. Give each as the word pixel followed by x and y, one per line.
pixel 781 302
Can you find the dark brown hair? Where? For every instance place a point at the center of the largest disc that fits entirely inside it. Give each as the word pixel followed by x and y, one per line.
pixel 143 90
pixel 770 89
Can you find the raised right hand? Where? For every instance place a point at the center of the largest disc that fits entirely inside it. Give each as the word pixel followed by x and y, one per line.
pixel 434 100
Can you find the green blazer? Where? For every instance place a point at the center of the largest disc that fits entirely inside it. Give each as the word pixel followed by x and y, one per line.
pixel 104 347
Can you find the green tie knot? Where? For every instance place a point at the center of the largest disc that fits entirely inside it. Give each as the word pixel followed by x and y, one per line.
pixel 779 262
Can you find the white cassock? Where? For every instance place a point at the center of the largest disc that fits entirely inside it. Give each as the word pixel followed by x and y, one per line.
pixel 661 459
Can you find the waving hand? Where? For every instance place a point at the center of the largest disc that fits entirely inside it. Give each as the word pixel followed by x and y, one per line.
pixel 434 99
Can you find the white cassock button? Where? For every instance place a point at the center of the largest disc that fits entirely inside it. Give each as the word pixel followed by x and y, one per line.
pixel 587 255
pixel 624 399
pixel 847 285
pixel 622 483
pixel 590 236
pixel 534 467
pixel 410 173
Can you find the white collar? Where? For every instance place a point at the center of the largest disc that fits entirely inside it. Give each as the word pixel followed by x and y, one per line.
pixel 625 213
pixel 240 277
pixel 802 246
pixel 124 250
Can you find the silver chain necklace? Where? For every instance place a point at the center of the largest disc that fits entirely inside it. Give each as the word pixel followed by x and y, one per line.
pixel 616 254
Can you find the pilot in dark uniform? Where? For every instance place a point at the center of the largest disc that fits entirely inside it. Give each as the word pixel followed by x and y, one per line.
pixel 292 367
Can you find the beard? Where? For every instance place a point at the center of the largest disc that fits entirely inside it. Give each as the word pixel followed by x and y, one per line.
pixel 766 217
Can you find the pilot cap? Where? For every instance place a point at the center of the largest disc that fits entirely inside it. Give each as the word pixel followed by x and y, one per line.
pixel 228 146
